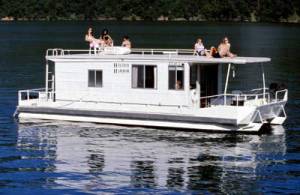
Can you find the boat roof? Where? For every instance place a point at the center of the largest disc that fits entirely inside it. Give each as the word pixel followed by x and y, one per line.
pixel 184 56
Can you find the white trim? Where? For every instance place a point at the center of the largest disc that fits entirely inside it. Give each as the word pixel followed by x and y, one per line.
pixel 252 127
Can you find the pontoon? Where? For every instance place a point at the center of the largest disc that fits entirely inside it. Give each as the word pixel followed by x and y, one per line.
pixel 168 88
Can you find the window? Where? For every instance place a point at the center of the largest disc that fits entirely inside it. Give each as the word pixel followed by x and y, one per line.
pixel 176 77
pixel 144 76
pixel 95 78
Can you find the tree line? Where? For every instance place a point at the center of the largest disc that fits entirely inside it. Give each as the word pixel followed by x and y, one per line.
pixel 207 10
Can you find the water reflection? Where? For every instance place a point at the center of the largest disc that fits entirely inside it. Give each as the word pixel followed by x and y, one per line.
pixel 93 158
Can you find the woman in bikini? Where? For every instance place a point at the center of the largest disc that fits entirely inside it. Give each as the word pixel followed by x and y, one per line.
pixel 94 43
pixel 105 39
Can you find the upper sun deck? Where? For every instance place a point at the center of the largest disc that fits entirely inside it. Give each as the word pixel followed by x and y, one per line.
pixel 178 55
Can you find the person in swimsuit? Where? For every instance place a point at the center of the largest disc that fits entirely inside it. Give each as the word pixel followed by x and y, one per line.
pixel 126 42
pixel 94 43
pixel 105 39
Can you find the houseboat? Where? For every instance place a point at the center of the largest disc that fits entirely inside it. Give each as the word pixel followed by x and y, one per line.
pixel 165 88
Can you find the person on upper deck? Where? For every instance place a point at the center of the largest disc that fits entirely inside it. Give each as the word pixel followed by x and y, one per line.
pixel 94 43
pixel 223 50
pixel 199 48
pixel 126 42
pixel 106 40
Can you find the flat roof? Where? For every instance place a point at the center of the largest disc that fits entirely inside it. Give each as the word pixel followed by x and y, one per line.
pixel 112 54
pixel 158 57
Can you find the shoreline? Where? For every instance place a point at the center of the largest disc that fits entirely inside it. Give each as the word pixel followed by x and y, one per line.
pixel 295 19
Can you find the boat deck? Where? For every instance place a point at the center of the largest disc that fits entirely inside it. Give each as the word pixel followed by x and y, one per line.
pixel 232 115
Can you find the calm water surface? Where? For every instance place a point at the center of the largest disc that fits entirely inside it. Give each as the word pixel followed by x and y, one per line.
pixel 74 158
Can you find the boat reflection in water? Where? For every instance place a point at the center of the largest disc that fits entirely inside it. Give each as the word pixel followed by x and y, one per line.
pixel 96 158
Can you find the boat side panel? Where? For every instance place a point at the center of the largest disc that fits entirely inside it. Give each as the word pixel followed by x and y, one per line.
pixel 254 127
pixel 127 115
pixel 72 84
pixel 272 110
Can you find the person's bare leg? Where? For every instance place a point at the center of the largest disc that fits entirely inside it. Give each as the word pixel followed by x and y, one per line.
pixel 207 54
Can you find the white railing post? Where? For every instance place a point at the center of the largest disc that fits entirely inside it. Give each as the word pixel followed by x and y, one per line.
pixel 226 83
pixel 47 78
pixel 19 97
pixel 285 94
pixel 264 82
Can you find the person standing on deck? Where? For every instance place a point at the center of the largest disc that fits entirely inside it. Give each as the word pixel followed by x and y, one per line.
pixel 94 43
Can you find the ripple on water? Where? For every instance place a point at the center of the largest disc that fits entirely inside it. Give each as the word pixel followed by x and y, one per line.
pixel 92 158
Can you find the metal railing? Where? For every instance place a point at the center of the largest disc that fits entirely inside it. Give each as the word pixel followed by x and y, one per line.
pixel 146 51
pixel 281 95
pixel 234 100
pixel 35 95
pixel 243 99
pixel 142 51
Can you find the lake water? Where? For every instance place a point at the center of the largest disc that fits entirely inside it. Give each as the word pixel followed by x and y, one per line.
pixel 53 157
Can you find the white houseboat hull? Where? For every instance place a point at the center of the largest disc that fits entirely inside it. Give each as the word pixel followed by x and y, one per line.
pixel 218 118
pixel 252 127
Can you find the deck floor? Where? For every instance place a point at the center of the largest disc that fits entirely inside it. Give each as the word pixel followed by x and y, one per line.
pixel 217 114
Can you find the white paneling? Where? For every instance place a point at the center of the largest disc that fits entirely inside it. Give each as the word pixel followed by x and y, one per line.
pixel 72 84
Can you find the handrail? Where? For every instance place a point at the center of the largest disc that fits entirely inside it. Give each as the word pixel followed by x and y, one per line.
pixel 143 51
pixel 284 92
pixel 235 99
pixel 33 90
pixel 35 94
pixel 40 94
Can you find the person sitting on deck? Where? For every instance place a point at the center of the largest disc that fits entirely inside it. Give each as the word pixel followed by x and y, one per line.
pixel 126 42
pixel 199 48
pixel 106 40
pixel 93 42
pixel 223 50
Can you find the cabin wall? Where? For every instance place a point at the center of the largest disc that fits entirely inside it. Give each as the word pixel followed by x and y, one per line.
pixel 71 83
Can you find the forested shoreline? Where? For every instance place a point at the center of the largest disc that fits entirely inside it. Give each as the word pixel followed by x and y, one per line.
pixel 152 10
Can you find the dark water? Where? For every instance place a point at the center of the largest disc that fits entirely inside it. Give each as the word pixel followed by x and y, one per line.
pixel 67 158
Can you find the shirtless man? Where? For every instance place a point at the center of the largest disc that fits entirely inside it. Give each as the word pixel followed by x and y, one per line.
pixel 223 50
